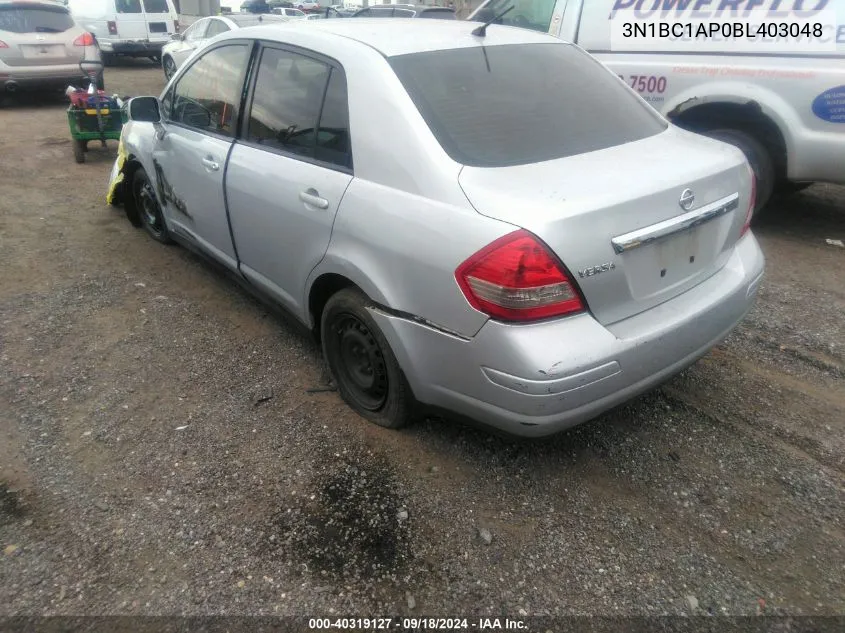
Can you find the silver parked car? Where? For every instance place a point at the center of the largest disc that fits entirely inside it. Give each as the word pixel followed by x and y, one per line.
pixel 182 45
pixel 525 262
pixel 41 46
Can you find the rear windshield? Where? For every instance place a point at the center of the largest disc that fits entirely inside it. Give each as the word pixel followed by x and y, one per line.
pixel 23 19
pixel 495 106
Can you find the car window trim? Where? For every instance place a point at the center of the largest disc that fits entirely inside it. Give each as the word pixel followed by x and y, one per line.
pixel 240 103
pixel 243 129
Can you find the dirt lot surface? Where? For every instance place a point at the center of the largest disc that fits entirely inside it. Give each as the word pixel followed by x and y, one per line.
pixel 141 474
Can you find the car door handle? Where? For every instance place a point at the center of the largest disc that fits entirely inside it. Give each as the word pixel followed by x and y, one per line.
pixel 210 163
pixel 313 199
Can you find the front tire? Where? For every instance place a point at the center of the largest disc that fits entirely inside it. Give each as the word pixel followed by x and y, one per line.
pixel 758 157
pixel 169 67
pixel 148 208
pixel 363 366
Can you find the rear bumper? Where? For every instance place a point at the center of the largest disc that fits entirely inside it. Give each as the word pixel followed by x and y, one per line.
pixel 535 380
pixel 30 77
pixel 134 48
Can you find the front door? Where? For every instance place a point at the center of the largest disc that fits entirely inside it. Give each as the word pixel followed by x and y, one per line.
pixel 200 114
pixel 287 175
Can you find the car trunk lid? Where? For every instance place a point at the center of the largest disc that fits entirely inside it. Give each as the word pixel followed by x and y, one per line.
pixel 615 217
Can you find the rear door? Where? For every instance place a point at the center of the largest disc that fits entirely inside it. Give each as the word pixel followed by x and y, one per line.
pixel 286 178
pixel 37 35
pixel 130 20
pixel 201 114
pixel 160 20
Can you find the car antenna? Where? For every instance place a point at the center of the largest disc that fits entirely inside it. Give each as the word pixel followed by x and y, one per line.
pixel 481 31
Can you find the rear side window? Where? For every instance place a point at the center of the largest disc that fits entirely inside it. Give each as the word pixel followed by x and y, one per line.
pixel 35 19
pixel 156 6
pixel 487 110
pixel 300 106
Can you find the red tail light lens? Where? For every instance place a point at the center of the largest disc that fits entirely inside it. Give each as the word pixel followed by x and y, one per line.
pixel 516 278
pixel 86 39
pixel 751 203
pixel 3 44
pixel 112 28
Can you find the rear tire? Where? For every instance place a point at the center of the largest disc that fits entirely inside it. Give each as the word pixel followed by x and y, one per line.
pixel 363 366
pixel 758 157
pixel 148 208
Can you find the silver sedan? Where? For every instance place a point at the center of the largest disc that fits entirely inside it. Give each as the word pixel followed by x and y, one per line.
pixel 483 222
pixel 182 45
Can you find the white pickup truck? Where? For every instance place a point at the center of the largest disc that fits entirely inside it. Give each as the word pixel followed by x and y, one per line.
pixel 781 102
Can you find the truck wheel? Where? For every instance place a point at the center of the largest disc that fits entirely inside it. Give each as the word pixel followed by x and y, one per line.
pixel 361 362
pixel 758 156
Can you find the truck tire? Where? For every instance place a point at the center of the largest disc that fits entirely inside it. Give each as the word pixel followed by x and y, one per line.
pixel 758 156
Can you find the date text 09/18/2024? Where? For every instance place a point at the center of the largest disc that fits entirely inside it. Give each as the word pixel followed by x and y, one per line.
pixel 416 624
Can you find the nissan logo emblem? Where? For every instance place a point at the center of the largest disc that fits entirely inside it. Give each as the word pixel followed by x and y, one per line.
pixel 687 199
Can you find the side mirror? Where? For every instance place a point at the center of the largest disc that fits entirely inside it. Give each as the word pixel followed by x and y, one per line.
pixel 144 109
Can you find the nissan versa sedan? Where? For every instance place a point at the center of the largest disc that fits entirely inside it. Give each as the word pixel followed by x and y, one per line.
pixel 523 249
pixel 41 46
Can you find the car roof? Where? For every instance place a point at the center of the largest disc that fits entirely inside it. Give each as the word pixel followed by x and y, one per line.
pixel 402 36
pixel 250 19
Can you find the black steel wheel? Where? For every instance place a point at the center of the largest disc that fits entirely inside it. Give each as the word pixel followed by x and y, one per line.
pixel 363 366
pixel 148 208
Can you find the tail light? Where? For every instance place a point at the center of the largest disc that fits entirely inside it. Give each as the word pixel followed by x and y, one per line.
pixel 86 39
pixel 3 44
pixel 517 278
pixel 112 28
pixel 751 203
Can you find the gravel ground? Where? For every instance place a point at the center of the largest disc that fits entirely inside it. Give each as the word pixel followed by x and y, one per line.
pixel 162 452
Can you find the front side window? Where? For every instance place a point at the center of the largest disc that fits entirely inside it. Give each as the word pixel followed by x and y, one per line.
pixel 196 31
pixel 19 18
pixel 128 6
pixel 209 93
pixel 527 14
pixel 216 27
pixel 475 102
pixel 156 6
pixel 286 104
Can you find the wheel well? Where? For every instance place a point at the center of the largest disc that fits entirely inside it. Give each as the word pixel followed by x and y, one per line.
pixel 321 291
pixel 746 117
